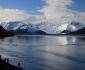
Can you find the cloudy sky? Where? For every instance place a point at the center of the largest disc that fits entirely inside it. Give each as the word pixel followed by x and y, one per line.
pixel 53 13
pixel 33 6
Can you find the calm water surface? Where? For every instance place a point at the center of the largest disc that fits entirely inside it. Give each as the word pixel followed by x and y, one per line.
pixel 45 52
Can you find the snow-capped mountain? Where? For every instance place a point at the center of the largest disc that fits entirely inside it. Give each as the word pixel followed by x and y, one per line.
pixel 74 26
pixel 22 28
pixel 12 25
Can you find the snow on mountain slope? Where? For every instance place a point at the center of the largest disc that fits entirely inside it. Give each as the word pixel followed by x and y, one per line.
pixel 74 26
pixel 17 25
pixel 62 27
pixel 46 27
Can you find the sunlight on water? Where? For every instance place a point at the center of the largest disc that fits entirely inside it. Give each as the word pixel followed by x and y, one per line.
pixel 45 52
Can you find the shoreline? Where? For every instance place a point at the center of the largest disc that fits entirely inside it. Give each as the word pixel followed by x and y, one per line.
pixel 51 35
pixel 5 65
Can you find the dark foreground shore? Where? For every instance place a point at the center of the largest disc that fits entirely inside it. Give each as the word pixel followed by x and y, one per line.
pixel 5 65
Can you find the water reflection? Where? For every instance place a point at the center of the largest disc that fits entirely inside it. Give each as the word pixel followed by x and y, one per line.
pixel 76 50
pixel 46 52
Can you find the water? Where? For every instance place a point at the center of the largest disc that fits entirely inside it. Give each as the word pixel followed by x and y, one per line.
pixel 45 52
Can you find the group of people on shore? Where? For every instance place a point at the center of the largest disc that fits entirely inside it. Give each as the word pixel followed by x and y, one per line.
pixel 6 60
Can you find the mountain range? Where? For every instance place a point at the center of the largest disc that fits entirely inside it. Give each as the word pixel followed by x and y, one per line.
pixel 22 28
pixel 18 27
